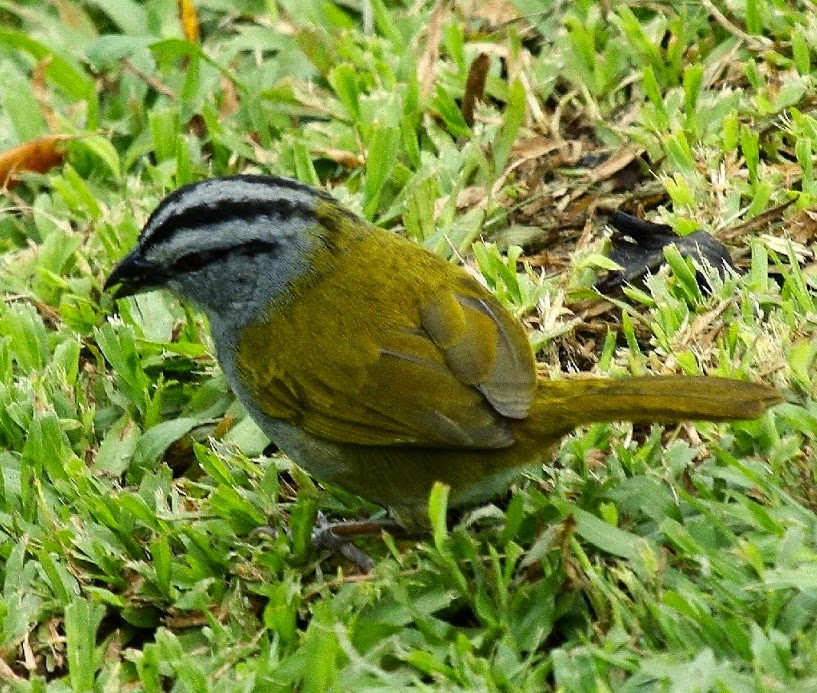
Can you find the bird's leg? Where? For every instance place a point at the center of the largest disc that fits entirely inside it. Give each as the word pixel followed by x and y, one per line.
pixel 335 537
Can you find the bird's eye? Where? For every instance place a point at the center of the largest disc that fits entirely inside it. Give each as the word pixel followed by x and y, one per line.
pixel 189 262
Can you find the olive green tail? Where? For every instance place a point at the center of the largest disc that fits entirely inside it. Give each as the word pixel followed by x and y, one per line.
pixel 561 405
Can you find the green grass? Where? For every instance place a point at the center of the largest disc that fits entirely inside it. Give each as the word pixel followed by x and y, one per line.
pixel 650 559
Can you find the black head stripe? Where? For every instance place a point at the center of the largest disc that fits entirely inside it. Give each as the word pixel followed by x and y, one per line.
pixel 224 211
pixel 197 260
pixel 224 203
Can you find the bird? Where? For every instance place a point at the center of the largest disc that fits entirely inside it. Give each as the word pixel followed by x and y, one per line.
pixel 372 363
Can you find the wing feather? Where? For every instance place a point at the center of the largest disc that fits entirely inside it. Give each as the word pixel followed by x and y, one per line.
pixel 409 365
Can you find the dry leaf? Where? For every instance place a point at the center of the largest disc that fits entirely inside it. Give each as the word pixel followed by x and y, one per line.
pixel 527 148
pixel 7 674
pixel 40 89
pixel 229 104
pixel 802 227
pixel 493 12
pixel 349 160
pixel 427 62
pixel 475 86
pixel 609 167
pixel 36 156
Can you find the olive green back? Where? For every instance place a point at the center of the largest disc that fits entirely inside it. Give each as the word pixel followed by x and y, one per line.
pixel 388 345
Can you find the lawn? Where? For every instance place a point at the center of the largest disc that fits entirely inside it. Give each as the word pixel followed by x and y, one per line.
pixel 499 134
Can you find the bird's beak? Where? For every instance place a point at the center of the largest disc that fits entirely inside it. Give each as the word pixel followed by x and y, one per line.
pixel 132 275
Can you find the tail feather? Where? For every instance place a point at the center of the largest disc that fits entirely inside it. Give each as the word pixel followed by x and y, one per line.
pixel 561 405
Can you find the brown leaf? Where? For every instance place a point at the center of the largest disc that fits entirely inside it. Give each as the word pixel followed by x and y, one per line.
pixel 229 104
pixel 427 62
pixel 71 15
pixel 7 674
pixel 349 160
pixel 802 227
pixel 224 426
pixel 761 221
pixel 609 167
pixel 493 12
pixel 468 197
pixel 475 86
pixel 35 156
pixel 40 89
pixel 189 17
pixel 533 147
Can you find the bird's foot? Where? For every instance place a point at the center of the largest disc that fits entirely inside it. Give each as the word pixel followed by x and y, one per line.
pixel 335 537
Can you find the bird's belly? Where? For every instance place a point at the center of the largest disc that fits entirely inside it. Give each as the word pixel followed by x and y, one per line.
pixel 397 477
pixel 400 478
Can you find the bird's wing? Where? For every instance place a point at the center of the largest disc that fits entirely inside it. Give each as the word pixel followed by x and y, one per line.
pixel 484 347
pixel 423 368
